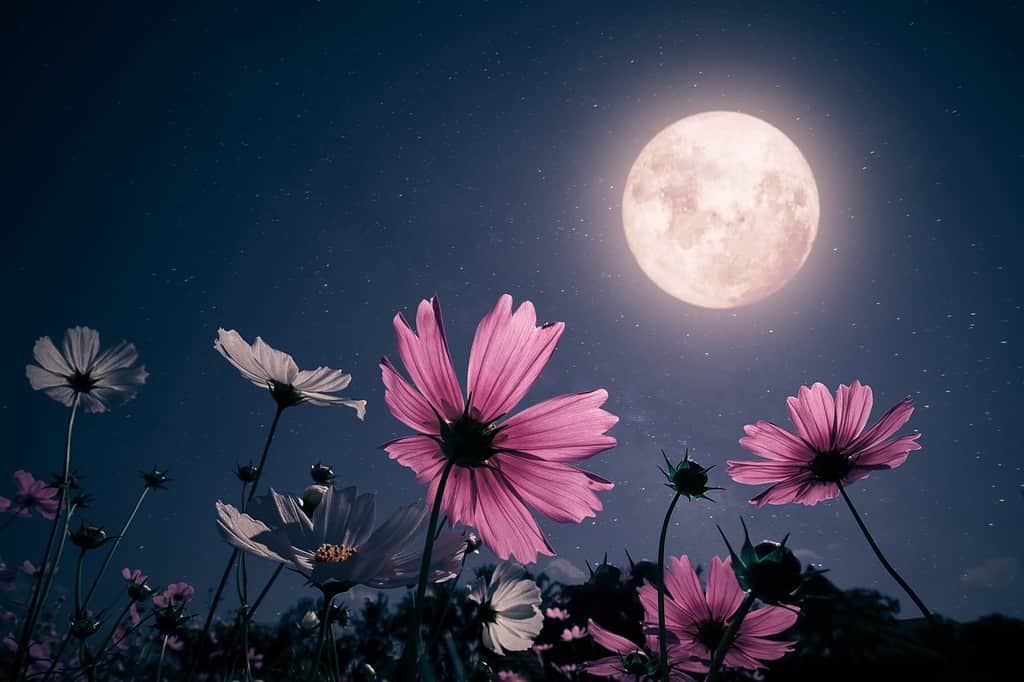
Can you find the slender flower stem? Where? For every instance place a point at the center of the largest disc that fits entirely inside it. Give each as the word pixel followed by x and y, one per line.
pixel 447 607
pixel 885 564
pixel 35 604
pixel 78 583
pixel 242 578
pixel 421 587
pixel 160 664
pixel 201 644
pixel 729 636
pixel 101 651
pixel 113 548
pixel 56 561
pixel 265 590
pixel 325 624
pixel 662 642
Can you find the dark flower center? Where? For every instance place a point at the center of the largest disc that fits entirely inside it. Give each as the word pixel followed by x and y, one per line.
pixel 710 633
pixel 467 442
pixel 333 554
pixel 286 395
pixel 636 664
pixel 831 466
pixel 82 383
pixel 487 613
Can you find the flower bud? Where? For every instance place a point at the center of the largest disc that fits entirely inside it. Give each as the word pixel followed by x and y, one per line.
pixel 89 537
pixel 311 498
pixel 310 621
pixel 338 615
pixel 83 627
pixel 139 591
pixel 687 478
pixel 321 473
pixel 770 571
pixel 155 478
pixel 365 673
pixel 247 473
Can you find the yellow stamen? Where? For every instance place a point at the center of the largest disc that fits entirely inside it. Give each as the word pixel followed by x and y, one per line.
pixel 333 554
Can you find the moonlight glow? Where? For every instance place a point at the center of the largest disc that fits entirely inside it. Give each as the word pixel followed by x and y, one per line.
pixel 720 209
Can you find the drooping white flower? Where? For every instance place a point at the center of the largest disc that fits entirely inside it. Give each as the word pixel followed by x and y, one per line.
pixel 510 607
pixel 337 548
pixel 100 380
pixel 277 371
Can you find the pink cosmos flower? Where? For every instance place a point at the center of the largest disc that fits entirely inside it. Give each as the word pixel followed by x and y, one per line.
pixel 32 494
pixel 830 445
pixel 635 662
pixel 500 464
pixel 176 595
pixel 574 633
pixel 696 620
pixel 134 575
pixel 557 614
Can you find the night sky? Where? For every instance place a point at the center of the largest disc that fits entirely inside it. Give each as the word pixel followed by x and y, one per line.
pixel 302 173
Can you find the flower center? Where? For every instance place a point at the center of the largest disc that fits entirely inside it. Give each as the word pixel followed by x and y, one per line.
pixel 830 466
pixel 710 633
pixel 467 442
pixel 636 664
pixel 285 394
pixel 333 554
pixel 82 383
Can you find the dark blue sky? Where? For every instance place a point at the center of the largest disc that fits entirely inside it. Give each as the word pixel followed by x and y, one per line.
pixel 303 173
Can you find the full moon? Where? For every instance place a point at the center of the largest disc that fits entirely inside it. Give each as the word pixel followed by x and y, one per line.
pixel 720 209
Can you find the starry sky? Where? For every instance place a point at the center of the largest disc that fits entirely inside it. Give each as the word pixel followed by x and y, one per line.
pixel 304 172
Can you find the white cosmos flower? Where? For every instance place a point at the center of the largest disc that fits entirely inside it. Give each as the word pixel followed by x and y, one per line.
pixel 338 548
pixel 277 371
pixel 101 380
pixel 511 608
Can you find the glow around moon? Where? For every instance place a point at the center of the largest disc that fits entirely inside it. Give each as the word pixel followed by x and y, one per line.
pixel 720 209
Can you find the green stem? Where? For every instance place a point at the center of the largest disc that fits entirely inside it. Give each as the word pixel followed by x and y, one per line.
pixel 242 579
pixel 35 604
pixel 421 586
pixel 160 664
pixel 885 564
pixel 314 666
pixel 729 636
pixel 101 651
pixel 56 562
pixel 113 548
pixel 78 583
pixel 662 641
pixel 201 644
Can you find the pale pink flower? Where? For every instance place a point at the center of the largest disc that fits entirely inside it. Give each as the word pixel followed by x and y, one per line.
pixel 830 445
pixel 32 494
pixel 556 614
pixel 635 662
pixel 175 596
pixel 255 659
pixel 175 643
pixel 501 463
pixel 101 380
pixel 134 575
pixel 696 620
pixel 574 633
pixel 276 371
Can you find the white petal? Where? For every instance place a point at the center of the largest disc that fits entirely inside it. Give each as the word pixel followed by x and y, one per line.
pixel 40 378
pixel 49 357
pixel 294 522
pixel 322 380
pixel 251 535
pixel 235 350
pixel 325 400
pixel 280 366
pixel 125 379
pixel 80 347
pixel 117 357
pixel 62 394
pixel 395 533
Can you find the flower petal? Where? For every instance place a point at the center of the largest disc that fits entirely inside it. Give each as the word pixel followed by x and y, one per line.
pixel 235 350
pixel 49 358
pixel 80 347
pixel 562 429
pixel 755 473
pixel 559 491
pixel 328 400
pixel 890 453
pixel 250 535
pixel 509 351
pixel 119 356
pixel 768 621
pixel 771 441
pixel 724 592
pixel 41 379
pixel 803 489
pixel 853 407
pixel 422 454
pixel 427 359
pixel 890 423
pixel 405 403
pixel 609 640
pixel 280 367
pixel 342 518
pixel 322 380
pixel 813 412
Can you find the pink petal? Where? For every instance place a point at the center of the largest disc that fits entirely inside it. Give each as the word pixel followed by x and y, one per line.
pixel 803 489
pixel 677 620
pixel 891 421
pixel 737 658
pixel 813 414
pixel 561 429
pixel 684 588
pixel 609 640
pixel 760 650
pixel 609 666
pixel 890 453
pixel 853 406
pixel 509 351
pixel 724 593
pixel 408 406
pixel 5 504
pixel 558 491
pixel 427 359
pixel 770 441
pixel 422 454
pixel 768 620
pixel 756 473
pixel 24 480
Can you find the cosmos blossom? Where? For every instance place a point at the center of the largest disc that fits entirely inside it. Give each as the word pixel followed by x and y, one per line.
pixel 32 494
pixel 338 548
pixel 830 446
pixel 275 370
pixel 498 464
pixel 175 595
pixel 696 620
pixel 100 380
pixel 510 608
pixel 632 661
pixel 574 633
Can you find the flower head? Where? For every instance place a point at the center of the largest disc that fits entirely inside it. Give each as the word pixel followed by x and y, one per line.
pixel 321 473
pixel 84 626
pixel 155 478
pixel 277 371
pixel 574 633
pixel 830 446
pixel 175 596
pixel 500 464
pixel 696 619
pixel 247 473
pixel 556 614
pixel 633 661
pixel 509 608
pixel 100 380
pixel 337 547
pixel 138 588
pixel 769 569
pixel 89 537
pixel 687 478
pixel 32 494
